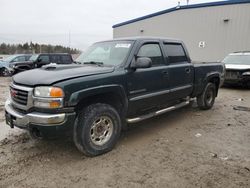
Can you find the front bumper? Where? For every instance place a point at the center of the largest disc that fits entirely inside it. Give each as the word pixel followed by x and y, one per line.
pixel 237 77
pixel 15 118
pixel 242 80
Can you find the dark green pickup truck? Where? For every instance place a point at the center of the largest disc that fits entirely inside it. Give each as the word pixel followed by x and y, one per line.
pixel 114 83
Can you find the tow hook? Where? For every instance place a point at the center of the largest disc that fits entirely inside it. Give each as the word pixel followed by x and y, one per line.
pixel 35 133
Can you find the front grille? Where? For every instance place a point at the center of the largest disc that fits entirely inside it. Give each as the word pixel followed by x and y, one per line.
pixel 19 96
pixel 20 110
pixel 232 74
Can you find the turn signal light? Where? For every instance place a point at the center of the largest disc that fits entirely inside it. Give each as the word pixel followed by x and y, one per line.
pixel 56 92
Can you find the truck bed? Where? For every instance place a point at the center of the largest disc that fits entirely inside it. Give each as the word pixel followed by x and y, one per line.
pixel 202 72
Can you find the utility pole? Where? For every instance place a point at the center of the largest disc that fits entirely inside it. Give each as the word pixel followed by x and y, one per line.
pixel 179 5
pixel 69 38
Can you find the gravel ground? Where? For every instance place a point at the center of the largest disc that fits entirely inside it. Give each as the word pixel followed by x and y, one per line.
pixel 184 148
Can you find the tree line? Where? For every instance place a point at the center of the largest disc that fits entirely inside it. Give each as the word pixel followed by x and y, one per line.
pixel 30 48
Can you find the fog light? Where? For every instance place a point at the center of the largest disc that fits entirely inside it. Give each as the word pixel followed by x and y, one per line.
pixel 48 103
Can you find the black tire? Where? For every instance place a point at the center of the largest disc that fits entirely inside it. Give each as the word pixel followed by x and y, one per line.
pixel 206 100
pixel 5 72
pixel 90 120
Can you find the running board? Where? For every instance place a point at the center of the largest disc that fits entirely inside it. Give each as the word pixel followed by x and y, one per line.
pixel 159 112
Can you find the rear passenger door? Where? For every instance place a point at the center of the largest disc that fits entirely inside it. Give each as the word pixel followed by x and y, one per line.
pixel 181 71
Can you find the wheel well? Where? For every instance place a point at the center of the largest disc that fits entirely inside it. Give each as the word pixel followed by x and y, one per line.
pixel 113 99
pixel 216 81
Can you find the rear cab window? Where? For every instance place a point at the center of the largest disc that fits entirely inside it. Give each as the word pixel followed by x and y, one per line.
pixel 66 59
pixel 175 53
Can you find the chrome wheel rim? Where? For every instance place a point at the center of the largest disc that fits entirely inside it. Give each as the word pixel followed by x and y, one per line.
pixel 5 72
pixel 210 96
pixel 101 130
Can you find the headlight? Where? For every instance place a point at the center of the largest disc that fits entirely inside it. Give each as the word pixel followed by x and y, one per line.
pixel 49 92
pixel 48 97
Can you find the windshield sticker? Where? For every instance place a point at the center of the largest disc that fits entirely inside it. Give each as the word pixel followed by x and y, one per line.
pixel 122 45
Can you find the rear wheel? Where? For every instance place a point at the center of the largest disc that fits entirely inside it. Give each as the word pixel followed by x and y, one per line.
pixel 206 100
pixel 97 129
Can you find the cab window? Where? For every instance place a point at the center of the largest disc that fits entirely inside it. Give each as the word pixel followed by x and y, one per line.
pixel 65 59
pixel 152 51
pixel 175 53
pixel 55 59
pixel 18 59
pixel 44 59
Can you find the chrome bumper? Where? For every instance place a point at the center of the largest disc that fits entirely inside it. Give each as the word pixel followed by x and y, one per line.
pixel 14 118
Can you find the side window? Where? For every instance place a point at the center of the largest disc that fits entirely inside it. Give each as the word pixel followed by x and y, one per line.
pixel 65 59
pixel 15 60
pixel 44 59
pixel 18 59
pixel 175 53
pixel 153 51
pixel 27 58
pixel 55 59
pixel 21 58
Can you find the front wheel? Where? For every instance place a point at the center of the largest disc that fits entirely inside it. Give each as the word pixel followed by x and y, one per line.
pixel 97 129
pixel 5 72
pixel 206 100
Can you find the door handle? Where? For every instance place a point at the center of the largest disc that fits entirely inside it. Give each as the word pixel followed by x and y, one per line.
pixel 188 70
pixel 165 72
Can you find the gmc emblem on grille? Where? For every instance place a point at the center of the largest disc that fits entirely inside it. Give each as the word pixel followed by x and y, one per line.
pixel 13 93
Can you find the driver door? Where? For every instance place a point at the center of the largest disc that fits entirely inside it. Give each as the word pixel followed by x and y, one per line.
pixel 148 87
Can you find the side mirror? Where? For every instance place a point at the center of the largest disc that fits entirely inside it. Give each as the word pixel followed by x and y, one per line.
pixel 39 60
pixel 141 63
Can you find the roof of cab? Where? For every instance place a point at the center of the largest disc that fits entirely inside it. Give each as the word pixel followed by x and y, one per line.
pixel 140 38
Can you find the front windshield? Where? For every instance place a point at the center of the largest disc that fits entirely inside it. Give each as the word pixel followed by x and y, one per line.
pixel 33 57
pixel 243 59
pixel 107 53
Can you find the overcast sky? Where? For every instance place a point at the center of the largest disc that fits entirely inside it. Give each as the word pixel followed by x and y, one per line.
pixel 85 21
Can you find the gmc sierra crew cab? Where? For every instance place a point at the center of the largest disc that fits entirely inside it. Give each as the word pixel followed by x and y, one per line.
pixel 114 83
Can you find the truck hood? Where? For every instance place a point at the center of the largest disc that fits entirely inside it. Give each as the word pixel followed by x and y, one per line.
pixel 237 66
pixel 50 74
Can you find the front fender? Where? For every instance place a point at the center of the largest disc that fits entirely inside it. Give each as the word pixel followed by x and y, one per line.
pixel 76 97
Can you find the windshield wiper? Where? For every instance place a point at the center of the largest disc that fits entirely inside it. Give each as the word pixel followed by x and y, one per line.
pixel 93 63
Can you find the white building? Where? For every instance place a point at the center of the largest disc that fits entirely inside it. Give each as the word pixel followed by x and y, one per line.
pixel 209 30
